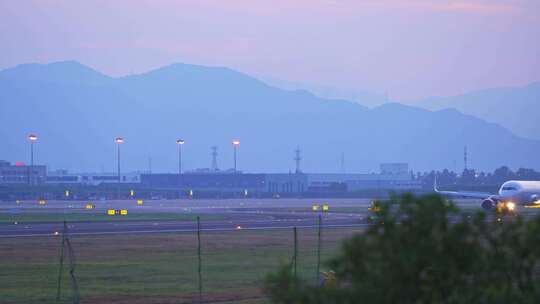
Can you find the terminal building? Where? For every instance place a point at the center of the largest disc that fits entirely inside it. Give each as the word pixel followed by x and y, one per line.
pixel 392 177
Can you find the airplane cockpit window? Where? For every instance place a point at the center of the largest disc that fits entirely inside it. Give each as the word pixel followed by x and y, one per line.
pixel 509 188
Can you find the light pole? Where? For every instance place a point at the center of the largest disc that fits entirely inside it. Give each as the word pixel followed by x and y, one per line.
pixel 235 143
pixel 180 143
pixel 32 138
pixel 119 141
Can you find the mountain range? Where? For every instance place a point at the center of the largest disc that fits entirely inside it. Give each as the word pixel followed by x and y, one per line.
pixel 77 112
pixel 516 108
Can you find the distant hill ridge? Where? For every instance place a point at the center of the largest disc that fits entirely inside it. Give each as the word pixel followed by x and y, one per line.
pixel 78 111
pixel 517 108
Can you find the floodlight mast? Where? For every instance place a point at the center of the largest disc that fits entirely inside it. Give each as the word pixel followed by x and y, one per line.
pixel 235 143
pixel 180 143
pixel 119 141
pixel 32 138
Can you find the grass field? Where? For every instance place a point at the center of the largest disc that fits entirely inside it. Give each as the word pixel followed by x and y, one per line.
pixel 158 268
pixel 43 217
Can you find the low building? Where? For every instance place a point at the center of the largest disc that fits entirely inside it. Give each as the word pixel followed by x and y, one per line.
pixel 20 173
pixel 286 183
pixel 63 177
pixel 394 168
pixel 211 182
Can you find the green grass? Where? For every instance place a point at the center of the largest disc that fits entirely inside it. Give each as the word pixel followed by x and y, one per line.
pixel 22 218
pixel 158 268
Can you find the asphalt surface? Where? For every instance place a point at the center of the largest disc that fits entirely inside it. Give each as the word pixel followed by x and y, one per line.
pixel 247 214
pixel 251 214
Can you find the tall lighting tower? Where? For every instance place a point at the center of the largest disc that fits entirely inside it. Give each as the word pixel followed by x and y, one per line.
pixel 342 162
pixel 32 138
pixel 214 158
pixel 297 159
pixel 180 143
pixel 235 144
pixel 465 157
pixel 119 141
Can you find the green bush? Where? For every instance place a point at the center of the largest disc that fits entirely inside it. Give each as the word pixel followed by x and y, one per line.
pixel 425 250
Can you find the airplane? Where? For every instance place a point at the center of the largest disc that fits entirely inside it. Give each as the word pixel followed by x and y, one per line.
pixel 511 194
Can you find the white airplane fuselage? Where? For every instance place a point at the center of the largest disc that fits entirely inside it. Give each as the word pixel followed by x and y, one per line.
pixel 511 194
pixel 520 193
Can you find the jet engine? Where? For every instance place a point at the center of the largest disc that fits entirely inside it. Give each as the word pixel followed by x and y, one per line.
pixel 489 203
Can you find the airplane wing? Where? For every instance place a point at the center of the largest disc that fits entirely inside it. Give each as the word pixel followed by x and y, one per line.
pixel 468 194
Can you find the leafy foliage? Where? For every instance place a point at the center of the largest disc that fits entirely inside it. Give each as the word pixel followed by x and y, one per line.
pixel 424 250
pixel 470 177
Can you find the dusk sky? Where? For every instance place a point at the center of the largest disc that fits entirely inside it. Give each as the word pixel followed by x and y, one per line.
pixel 409 48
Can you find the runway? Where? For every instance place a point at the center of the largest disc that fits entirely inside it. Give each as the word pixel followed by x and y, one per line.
pixel 234 214
pixel 54 229
pixel 238 214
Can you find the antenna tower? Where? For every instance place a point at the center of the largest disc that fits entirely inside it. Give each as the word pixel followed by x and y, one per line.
pixel 214 158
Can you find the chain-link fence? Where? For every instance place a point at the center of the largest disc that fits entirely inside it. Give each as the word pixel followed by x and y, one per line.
pixel 192 267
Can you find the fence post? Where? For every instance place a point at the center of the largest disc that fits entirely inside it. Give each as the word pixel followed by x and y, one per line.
pixel 72 263
pixel 295 255
pixel 61 267
pixel 71 256
pixel 199 257
pixel 319 249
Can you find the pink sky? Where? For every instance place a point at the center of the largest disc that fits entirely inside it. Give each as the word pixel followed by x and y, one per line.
pixel 410 48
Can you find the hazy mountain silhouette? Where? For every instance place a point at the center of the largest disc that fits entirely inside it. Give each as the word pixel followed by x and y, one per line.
pixel 77 113
pixel 516 108
pixel 363 97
